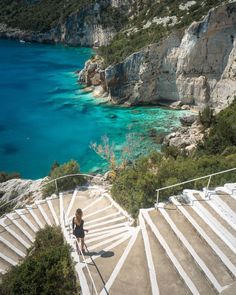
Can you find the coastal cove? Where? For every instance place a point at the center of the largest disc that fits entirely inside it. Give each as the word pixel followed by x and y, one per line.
pixel 45 116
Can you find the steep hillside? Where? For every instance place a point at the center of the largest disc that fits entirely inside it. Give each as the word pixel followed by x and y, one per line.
pixel 196 65
pixel 85 23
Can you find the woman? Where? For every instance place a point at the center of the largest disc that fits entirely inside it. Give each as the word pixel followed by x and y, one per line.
pixel 78 228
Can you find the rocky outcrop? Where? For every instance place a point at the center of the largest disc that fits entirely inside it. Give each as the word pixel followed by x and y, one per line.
pixel 91 26
pixel 93 75
pixel 197 67
pixel 185 138
pixel 21 190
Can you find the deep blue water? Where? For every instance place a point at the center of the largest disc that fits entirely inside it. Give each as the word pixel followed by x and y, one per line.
pixel 45 116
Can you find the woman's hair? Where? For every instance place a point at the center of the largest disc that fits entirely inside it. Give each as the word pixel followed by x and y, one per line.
pixel 78 215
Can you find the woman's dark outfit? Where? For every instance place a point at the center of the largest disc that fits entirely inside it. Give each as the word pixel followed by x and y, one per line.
pixel 78 230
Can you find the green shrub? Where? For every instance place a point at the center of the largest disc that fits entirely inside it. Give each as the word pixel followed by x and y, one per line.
pixel 47 270
pixel 206 117
pixel 7 176
pixel 222 133
pixel 6 207
pixel 136 186
pixel 67 183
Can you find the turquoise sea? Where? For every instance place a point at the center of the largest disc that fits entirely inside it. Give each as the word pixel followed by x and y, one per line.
pixel 45 116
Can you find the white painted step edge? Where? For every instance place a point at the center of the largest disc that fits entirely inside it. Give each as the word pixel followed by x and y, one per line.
pixel 98 211
pixel 21 228
pixel 151 268
pixel 110 233
pixel 106 222
pixel 71 202
pixel 53 212
pixel 23 216
pixel 93 247
pixel 221 208
pixel 12 247
pixel 106 230
pixel 42 211
pixel 208 240
pixel 15 235
pixel 32 212
pixel 120 263
pixel 8 259
pixel 109 227
pixel 211 221
pixel 110 247
pixel 103 218
pixel 212 279
pixel 171 256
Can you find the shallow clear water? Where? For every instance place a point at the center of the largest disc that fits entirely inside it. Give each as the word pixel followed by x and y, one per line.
pixel 45 116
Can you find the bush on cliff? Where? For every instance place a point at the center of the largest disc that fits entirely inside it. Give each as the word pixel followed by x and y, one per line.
pixel 135 187
pixel 47 269
pixel 67 183
pixel 222 134
pixel 7 176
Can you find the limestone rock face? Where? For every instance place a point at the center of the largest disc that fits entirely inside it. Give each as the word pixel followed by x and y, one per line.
pixel 198 67
pixel 21 189
pixel 185 138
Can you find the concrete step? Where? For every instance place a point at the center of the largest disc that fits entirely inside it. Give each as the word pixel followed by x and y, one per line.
pixel 168 279
pixel 221 209
pixel 134 275
pixel 37 215
pixel 227 198
pixel 217 239
pixel 22 225
pixel 46 212
pixel 8 254
pixel 28 219
pixel 182 255
pixel 93 241
pixel 202 249
pixel 80 200
pixel 15 231
pixel 66 200
pixel 54 206
pixel 203 234
pixel 108 266
pixel 108 210
pixel 201 208
pixel 11 240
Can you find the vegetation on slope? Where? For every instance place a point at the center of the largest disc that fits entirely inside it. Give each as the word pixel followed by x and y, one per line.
pixel 135 36
pixel 4 176
pixel 47 269
pixel 135 187
pixel 43 15
pixel 67 183
pixel 38 15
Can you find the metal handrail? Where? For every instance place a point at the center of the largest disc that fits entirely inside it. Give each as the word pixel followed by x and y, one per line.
pixel 55 180
pixel 192 180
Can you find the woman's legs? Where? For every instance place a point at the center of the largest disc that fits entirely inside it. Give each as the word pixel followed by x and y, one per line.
pixel 77 246
pixel 82 244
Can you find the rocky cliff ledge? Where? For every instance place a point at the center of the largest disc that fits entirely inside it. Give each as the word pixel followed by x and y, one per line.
pixel 196 67
pixel 21 190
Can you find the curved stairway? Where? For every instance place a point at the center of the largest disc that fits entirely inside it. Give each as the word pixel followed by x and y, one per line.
pixel 177 248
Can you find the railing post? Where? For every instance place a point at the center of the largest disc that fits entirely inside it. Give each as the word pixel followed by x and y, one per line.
pixel 209 181
pixel 56 186
pixel 157 197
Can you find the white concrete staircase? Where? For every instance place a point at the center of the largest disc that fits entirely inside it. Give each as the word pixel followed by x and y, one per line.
pixel 177 248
